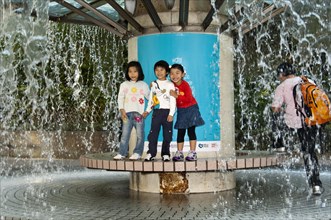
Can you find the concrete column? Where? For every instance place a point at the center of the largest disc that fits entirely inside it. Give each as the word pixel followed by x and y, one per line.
pixel 184 182
pixel 188 47
pixel 227 97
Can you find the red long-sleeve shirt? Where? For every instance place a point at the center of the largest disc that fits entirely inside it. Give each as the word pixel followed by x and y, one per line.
pixel 185 97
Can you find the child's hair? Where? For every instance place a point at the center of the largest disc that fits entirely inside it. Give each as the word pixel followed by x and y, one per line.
pixel 136 64
pixel 163 64
pixel 285 69
pixel 177 66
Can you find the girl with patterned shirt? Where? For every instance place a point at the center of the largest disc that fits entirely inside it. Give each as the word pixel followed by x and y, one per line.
pixel 131 103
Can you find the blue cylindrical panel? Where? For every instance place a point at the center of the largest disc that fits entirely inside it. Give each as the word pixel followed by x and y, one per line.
pixel 199 54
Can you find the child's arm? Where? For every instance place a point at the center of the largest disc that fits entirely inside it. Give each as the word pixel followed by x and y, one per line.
pixel 124 117
pixel 146 91
pixel 120 101
pixel 149 104
pixel 170 118
pixel 173 93
pixel 172 102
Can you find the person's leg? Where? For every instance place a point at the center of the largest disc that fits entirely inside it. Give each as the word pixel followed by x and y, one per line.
pixel 167 134
pixel 179 156
pixel 308 139
pixel 139 124
pixel 278 131
pixel 192 137
pixel 126 132
pixel 311 137
pixel 154 132
pixel 180 139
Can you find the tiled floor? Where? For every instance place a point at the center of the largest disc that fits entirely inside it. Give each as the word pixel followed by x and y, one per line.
pixel 75 193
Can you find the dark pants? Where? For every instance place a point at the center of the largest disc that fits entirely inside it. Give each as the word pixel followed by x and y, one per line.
pixel 308 136
pixel 191 134
pixel 159 118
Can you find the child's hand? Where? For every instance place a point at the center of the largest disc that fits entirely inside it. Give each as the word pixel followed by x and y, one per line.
pixel 173 93
pixel 124 117
pixel 170 118
pixel 145 114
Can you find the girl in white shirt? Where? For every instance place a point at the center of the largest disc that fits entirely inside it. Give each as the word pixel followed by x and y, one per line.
pixel 131 103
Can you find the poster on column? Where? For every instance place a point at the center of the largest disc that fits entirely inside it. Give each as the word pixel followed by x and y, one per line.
pixel 199 55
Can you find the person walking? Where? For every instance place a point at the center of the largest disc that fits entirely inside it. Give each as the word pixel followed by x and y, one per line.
pixel 307 134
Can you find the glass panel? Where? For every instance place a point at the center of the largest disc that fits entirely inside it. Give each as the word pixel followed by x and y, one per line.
pixel 57 10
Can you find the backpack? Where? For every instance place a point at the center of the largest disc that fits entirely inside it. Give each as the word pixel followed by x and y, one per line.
pixel 311 102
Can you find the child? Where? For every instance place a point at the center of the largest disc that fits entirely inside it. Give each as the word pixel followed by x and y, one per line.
pixel 188 114
pixel 164 107
pixel 131 104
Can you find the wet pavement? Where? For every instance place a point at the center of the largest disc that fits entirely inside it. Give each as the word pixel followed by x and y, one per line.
pixel 79 193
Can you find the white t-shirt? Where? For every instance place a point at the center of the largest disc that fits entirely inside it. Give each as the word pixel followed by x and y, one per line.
pixel 131 96
pixel 161 88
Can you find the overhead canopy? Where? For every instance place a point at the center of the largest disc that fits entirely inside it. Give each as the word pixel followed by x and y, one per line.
pixel 114 16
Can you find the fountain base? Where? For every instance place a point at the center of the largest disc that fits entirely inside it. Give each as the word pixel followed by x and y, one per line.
pixel 182 182
pixel 201 176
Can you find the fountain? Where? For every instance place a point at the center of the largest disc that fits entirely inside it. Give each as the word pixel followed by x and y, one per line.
pixel 58 101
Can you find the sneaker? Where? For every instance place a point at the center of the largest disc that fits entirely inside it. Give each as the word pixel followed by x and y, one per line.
pixel 317 190
pixel 179 156
pixel 280 149
pixel 192 155
pixel 118 157
pixel 135 156
pixel 165 158
pixel 149 157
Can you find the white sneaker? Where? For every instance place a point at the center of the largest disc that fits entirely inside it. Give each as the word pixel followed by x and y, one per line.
pixel 165 158
pixel 149 157
pixel 135 156
pixel 118 157
pixel 317 190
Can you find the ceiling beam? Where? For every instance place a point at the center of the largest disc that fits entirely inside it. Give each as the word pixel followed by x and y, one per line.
pixel 124 14
pixel 88 17
pixel 119 27
pixel 183 13
pixel 70 21
pixel 153 14
pixel 247 26
pixel 94 4
pixel 225 26
pixel 209 17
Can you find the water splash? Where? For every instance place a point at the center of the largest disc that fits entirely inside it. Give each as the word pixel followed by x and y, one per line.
pixel 58 85
pixel 300 34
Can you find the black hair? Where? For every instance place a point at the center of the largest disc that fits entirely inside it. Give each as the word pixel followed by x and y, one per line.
pixel 177 66
pixel 136 64
pixel 163 64
pixel 286 69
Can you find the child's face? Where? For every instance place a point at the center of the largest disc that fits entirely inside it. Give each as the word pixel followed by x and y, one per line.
pixel 133 73
pixel 160 73
pixel 176 75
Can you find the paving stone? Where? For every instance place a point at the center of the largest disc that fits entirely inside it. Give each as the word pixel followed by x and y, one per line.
pixel 97 194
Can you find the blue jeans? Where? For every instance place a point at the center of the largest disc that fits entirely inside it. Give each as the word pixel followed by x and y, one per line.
pixel 137 121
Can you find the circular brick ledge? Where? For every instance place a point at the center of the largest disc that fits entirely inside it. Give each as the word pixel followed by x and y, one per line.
pixel 243 160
